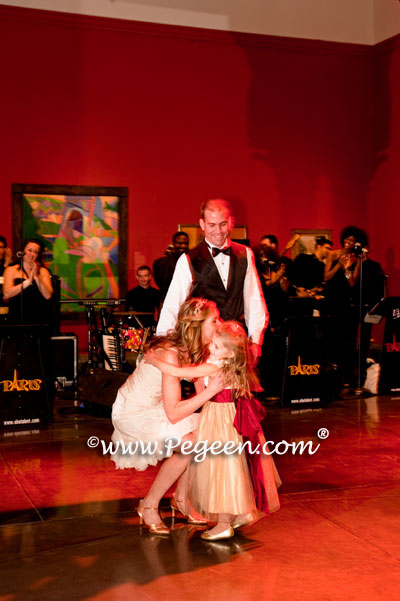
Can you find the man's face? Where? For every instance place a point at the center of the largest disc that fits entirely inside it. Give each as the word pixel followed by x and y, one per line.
pixel 181 244
pixel 323 251
pixel 216 225
pixel 266 242
pixel 144 277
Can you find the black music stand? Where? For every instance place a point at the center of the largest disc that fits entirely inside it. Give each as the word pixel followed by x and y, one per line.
pixel 359 390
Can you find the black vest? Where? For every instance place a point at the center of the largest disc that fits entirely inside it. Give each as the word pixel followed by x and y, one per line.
pixel 207 282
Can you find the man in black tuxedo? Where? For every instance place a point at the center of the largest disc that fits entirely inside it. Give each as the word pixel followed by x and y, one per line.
pixel 219 270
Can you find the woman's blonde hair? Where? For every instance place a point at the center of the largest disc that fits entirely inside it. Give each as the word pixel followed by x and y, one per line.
pixel 187 336
pixel 238 369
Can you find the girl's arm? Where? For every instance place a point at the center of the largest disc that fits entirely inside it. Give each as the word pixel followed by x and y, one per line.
pixel 186 371
pixel 175 408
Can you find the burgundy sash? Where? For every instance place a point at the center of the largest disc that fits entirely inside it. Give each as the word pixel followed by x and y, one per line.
pixel 225 396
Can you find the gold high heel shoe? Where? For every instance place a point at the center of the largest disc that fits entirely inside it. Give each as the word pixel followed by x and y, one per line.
pixel 160 528
pixel 227 533
pixel 190 518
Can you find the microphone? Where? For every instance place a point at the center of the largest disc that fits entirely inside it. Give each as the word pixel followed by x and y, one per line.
pixel 358 249
pixel 20 254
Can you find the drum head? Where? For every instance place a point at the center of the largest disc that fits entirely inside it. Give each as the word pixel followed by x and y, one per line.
pixel 132 339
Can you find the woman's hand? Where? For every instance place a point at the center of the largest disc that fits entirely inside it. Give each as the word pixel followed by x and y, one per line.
pixel 34 274
pixel 346 261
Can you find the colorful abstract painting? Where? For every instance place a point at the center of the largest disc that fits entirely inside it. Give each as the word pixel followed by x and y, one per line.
pixel 81 235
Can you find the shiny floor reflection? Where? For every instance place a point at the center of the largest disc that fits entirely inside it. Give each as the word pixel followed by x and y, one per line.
pixel 69 530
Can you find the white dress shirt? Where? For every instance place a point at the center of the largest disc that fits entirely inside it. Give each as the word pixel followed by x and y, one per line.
pixel 255 310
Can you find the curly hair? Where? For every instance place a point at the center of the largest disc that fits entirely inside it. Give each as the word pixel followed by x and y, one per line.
pixel 358 234
pixel 178 234
pixel 187 336
pixel 238 369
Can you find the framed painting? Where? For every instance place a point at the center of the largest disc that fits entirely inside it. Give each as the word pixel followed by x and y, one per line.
pixel 83 230
pixel 306 240
pixel 195 233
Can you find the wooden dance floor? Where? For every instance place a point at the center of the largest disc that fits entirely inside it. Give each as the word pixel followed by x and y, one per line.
pixel 69 531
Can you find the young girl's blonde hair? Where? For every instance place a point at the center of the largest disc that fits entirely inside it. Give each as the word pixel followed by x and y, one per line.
pixel 187 336
pixel 238 369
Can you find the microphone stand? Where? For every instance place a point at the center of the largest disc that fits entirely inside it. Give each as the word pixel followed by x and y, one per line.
pixel 22 290
pixel 359 390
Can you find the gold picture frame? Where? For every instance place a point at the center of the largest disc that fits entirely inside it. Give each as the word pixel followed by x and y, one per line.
pixel 84 233
pixel 306 240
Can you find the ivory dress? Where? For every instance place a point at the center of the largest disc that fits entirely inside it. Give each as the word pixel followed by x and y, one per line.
pixel 226 483
pixel 138 415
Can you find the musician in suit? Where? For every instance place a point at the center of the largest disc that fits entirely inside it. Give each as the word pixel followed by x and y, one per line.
pixel 219 270
pixel 5 255
pixel 144 298
pixel 5 260
pixel 308 273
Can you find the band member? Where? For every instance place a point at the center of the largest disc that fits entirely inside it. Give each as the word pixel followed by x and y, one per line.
pixel 27 286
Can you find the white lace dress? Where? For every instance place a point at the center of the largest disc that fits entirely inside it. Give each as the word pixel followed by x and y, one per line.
pixel 139 418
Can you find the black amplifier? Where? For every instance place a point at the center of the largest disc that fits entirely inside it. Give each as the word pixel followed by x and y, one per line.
pixel 64 360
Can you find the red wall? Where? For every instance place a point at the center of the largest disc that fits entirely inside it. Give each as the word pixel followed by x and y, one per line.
pixel 283 128
pixel 384 192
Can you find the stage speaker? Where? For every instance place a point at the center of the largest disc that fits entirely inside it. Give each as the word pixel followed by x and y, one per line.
pixel 97 391
pixel 304 382
pixel 64 360
pixel 25 396
pixel 389 381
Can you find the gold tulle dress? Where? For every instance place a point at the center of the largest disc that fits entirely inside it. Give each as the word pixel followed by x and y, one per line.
pixel 225 483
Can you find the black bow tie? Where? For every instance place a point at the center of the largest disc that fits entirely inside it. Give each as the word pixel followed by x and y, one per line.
pixel 215 251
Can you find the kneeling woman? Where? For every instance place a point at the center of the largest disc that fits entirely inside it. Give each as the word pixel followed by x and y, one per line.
pixel 149 409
